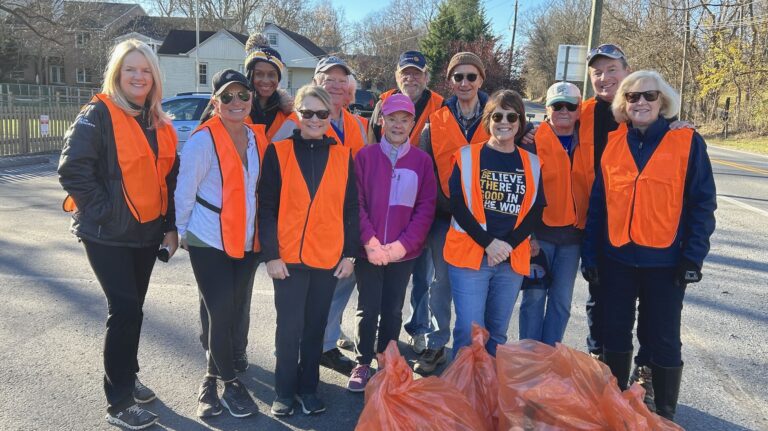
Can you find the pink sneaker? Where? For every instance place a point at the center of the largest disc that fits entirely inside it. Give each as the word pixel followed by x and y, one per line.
pixel 359 378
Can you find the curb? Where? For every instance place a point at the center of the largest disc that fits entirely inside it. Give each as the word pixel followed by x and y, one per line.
pixel 17 161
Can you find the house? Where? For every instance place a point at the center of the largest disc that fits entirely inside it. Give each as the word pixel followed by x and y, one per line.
pixel 299 54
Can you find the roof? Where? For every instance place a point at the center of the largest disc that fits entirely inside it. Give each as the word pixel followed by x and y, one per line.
pixel 303 41
pixel 156 27
pixel 183 41
pixel 97 14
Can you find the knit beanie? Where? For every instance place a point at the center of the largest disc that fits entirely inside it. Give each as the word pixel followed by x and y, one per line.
pixel 466 58
pixel 257 49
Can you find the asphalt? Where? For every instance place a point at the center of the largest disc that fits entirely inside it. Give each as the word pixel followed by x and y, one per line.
pixel 52 322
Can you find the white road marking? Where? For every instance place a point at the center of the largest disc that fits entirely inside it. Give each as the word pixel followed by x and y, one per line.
pixel 743 205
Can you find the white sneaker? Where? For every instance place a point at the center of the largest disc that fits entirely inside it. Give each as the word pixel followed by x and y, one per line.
pixel 418 343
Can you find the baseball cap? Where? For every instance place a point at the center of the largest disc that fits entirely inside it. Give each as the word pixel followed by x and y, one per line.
pixel 539 271
pixel 563 92
pixel 326 63
pixel 224 78
pixel 412 59
pixel 605 50
pixel 398 102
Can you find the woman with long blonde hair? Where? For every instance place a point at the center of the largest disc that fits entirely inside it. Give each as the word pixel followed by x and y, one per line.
pixel 119 167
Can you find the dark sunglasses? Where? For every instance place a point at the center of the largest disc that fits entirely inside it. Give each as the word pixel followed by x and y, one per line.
pixel 649 96
pixel 512 117
pixel 607 49
pixel 458 77
pixel 560 105
pixel 308 113
pixel 227 97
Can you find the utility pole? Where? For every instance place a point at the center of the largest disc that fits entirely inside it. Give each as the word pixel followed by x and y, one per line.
pixel 594 38
pixel 685 55
pixel 197 47
pixel 512 46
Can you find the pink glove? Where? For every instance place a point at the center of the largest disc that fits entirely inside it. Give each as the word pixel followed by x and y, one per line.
pixel 395 250
pixel 376 254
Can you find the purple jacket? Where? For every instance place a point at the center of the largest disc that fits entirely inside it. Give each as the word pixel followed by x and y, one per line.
pixel 396 203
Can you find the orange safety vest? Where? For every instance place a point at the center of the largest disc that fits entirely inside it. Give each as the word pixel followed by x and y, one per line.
pixel 232 214
pixel 460 249
pixel 434 103
pixel 354 131
pixel 587 125
pixel 446 138
pixel 311 230
pixel 567 184
pixel 143 174
pixel 280 118
pixel 645 207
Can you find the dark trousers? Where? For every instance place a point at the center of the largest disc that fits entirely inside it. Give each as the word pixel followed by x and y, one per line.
pixel 123 273
pixel 302 302
pixel 381 293
pixel 661 304
pixel 223 283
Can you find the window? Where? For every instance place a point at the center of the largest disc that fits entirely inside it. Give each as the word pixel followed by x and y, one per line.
pixel 84 76
pixel 82 39
pixel 56 74
pixel 202 74
pixel 16 75
pixel 272 38
pixel 290 79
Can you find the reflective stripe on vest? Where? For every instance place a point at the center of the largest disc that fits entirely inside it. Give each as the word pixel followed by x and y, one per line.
pixel 277 123
pixel 567 183
pixel 460 249
pixel 143 175
pixel 447 138
pixel 233 214
pixel 311 230
pixel 434 103
pixel 645 207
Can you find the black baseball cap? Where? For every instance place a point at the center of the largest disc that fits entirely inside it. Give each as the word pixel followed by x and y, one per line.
pixel 224 78
pixel 412 59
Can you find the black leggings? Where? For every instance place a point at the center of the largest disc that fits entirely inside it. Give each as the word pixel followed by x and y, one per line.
pixel 223 283
pixel 123 273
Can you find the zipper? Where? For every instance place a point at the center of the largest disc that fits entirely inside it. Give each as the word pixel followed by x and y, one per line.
pixel 311 198
pixel 386 218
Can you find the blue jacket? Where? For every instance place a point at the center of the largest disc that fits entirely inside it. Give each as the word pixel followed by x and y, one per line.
pixel 697 221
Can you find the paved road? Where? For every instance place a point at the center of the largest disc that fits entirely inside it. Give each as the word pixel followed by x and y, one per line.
pixel 53 320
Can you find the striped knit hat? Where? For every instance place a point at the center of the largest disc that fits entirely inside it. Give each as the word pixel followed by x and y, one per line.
pixel 257 49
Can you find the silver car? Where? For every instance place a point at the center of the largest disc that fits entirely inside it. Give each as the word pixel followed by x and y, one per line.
pixel 185 109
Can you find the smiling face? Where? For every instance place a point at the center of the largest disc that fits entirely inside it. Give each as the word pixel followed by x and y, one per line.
pixel 313 128
pixel 236 110
pixel 336 83
pixel 643 113
pixel 606 74
pixel 466 91
pixel 562 119
pixel 136 78
pixel 503 131
pixel 412 82
pixel 397 126
pixel 264 79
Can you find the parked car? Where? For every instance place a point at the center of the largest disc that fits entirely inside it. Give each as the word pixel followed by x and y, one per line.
pixel 363 104
pixel 185 109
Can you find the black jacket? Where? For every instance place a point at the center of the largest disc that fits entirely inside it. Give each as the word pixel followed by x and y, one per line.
pixel 312 156
pixel 90 173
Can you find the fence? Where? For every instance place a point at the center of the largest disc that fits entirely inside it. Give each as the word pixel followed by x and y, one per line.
pixel 44 95
pixel 22 130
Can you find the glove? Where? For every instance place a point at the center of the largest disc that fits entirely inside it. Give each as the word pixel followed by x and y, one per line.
pixel 590 274
pixel 395 250
pixel 375 253
pixel 687 272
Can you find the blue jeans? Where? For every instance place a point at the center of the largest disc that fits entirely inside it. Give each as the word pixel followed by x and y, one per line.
pixel 344 289
pixel 439 289
pixel 487 297
pixel 544 313
pixel 423 273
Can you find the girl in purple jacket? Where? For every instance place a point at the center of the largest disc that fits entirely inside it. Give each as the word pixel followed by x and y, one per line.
pixel 397 191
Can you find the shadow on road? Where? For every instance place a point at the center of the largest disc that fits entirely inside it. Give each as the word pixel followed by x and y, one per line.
pixel 693 419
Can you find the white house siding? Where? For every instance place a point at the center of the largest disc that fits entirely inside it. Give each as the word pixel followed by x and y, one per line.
pixel 300 78
pixel 178 74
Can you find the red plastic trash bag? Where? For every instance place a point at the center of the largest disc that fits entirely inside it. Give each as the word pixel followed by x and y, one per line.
pixel 394 401
pixel 558 388
pixel 473 373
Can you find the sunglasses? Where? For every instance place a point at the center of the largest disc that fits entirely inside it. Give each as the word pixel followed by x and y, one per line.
pixel 458 77
pixel 512 117
pixel 227 97
pixel 607 49
pixel 560 105
pixel 649 96
pixel 308 113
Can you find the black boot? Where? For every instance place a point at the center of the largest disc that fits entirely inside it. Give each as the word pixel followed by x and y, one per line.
pixel 620 364
pixel 643 375
pixel 666 385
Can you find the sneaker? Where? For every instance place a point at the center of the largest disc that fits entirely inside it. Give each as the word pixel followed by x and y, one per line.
pixel 141 393
pixel 133 418
pixel 310 404
pixel 282 406
pixel 360 376
pixel 336 361
pixel 643 375
pixel 429 360
pixel 240 362
pixel 237 400
pixel 344 342
pixel 418 343
pixel 208 403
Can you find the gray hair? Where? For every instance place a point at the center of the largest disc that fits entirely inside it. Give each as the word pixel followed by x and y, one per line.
pixel 670 100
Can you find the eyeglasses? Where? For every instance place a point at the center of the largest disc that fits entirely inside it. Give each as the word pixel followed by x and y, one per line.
pixel 512 117
pixel 308 113
pixel 458 77
pixel 606 49
pixel 227 97
pixel 560 105
pixel 649 96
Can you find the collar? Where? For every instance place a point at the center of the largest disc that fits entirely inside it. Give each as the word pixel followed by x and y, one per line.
pixel 387 148
pixel 653 133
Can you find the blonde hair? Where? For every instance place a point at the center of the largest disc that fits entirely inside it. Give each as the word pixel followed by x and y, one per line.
pixel 670 100
pixel 111 86
pixel 315 91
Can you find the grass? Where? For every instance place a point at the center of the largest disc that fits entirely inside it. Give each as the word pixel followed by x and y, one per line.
pixel 9 128
pixel 752 144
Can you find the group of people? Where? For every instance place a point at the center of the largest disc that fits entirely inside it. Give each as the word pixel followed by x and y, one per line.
pixel 461 196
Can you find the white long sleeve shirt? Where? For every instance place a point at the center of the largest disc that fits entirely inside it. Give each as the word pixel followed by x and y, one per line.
pixel 199 175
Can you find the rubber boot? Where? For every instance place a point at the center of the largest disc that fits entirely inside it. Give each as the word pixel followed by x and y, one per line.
pixel 620 364
pixel 642 374
pixel 666 385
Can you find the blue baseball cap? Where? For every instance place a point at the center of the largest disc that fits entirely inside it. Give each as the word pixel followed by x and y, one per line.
pixel 412 59
pixel 326 63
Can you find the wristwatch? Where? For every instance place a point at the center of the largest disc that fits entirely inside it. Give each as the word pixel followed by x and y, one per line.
pixel 351 260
